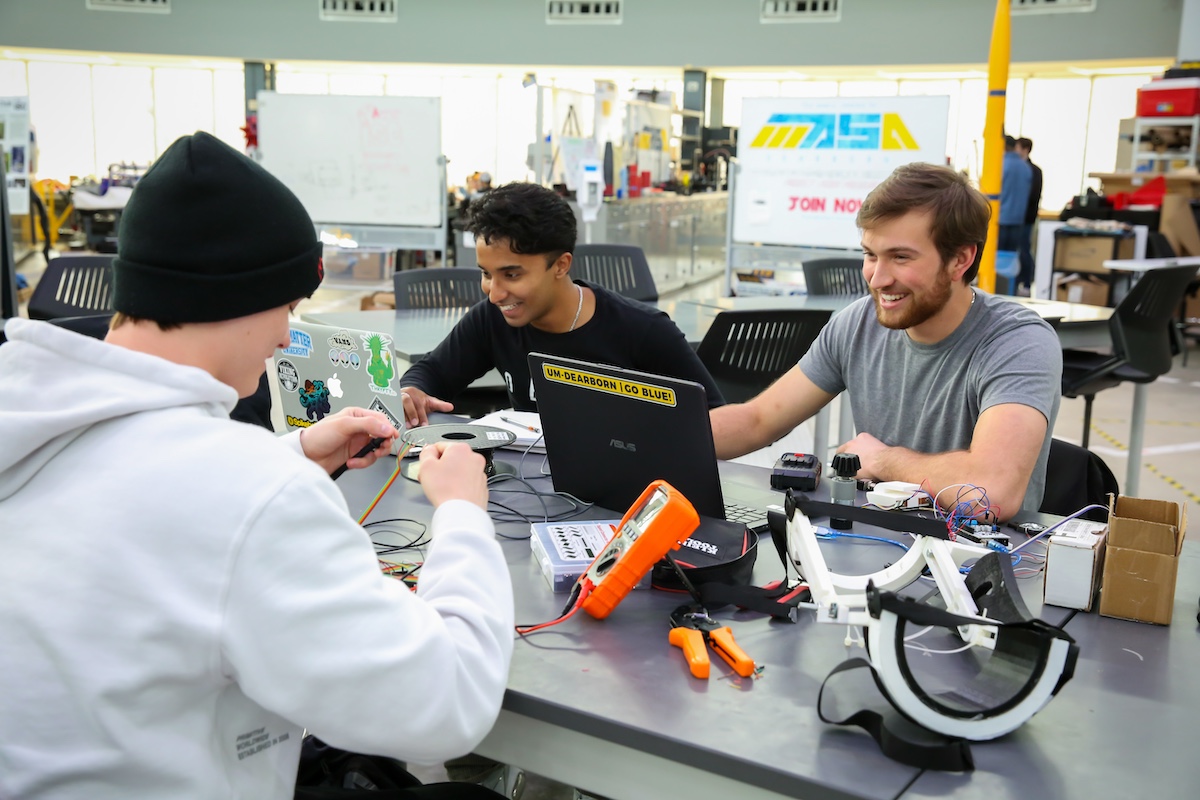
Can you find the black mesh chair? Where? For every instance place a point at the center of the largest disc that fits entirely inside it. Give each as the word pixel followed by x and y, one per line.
pixel 73 286
pixel 746 351
pixel 835 276
pixel 449 287
pixel 95 325
pixel 437 287
pixel 621 268
pixel 1141 334
pixel 1075 478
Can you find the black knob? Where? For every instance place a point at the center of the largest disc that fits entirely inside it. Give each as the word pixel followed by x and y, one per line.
pixel 845 465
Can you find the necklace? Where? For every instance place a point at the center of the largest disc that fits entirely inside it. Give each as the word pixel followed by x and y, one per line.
pixel 578 308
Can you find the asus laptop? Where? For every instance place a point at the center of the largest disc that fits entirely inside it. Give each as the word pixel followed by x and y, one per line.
pixel 609 432
pixel 327 368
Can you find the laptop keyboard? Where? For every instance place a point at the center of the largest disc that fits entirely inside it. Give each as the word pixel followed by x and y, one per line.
pixel 749 516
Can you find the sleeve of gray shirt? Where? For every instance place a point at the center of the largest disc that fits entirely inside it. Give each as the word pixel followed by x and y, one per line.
pixel 929 398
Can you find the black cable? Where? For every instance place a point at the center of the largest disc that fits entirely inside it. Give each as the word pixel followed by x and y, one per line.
pixel 371 445
pixel 420 541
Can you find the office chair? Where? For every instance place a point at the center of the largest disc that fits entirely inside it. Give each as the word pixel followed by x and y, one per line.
pixel 437 287
pixel 449 287
pixel 93 325
pixel 835 276
pixel 1075 478
pixel 1158 246
pixel 746 351
pixel 621 268
pixel 73 286
pixel 1141 334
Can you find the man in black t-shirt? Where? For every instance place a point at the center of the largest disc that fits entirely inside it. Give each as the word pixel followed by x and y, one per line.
pixel 524 238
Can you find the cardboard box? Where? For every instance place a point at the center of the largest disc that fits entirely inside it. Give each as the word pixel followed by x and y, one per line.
pixel 379 301
pixel 350 266
pixel 1074 558
pixel 1087 253
pixel 1178 224
pixel 1142 559
pixel 1086 289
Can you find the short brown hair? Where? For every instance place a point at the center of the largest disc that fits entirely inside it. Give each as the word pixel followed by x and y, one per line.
pixel 960 211
pixel 119 319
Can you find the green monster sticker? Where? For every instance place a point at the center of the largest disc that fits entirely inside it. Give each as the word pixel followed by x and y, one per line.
pixel 379 365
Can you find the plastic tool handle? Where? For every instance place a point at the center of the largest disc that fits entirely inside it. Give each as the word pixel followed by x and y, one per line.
pixel 371 445
pixel 691 641
pixel 727 648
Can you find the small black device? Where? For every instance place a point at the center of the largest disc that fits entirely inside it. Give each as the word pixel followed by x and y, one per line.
pixel 800 471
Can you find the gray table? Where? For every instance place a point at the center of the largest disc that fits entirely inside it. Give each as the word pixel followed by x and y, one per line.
pixel 609 705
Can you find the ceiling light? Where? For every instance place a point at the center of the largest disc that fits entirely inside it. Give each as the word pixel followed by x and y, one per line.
pixel 64 58
pixel 1148 69
pixel 934 76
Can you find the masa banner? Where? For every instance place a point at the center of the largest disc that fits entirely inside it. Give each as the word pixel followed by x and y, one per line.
pixel 806 164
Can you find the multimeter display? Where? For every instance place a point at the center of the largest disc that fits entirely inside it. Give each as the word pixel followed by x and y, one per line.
pixel 658 522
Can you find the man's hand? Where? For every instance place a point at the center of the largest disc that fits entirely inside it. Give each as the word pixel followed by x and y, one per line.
pixel 417 406
pixel 453 471
pixel 870 452
pixel 334 440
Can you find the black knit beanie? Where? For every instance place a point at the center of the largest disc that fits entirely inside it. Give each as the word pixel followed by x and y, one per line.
pixel 209 235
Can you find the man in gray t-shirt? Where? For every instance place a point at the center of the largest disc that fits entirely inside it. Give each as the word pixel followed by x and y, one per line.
pixel 948 385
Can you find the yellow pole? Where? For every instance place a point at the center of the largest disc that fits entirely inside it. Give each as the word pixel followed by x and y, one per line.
pixel 993 138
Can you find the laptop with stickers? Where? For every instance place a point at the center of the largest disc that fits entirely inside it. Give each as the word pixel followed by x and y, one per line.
pixel 609 432
pixel 327 368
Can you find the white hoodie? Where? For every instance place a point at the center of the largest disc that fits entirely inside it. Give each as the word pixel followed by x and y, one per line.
pixel 181 594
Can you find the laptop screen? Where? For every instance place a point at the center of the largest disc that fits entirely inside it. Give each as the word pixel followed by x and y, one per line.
pixel 609 432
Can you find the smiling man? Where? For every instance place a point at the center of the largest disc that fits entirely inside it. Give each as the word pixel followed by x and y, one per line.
pixel 948 385
pixel 524 238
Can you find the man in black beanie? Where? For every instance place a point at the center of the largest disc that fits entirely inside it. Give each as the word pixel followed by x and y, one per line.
pixel 227 600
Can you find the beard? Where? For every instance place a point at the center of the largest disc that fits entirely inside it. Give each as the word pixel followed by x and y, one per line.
pixel 921 307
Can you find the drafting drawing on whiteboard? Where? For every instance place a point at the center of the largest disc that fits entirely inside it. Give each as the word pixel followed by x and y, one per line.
pixel 805 164
pixel 356 160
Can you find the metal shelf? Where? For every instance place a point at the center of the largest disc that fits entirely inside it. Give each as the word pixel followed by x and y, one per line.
pixel 1143 124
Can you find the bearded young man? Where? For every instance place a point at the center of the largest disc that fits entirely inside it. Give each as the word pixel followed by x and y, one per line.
pixel 948 385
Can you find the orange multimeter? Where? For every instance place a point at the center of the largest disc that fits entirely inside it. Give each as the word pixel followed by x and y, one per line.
pixel 658 522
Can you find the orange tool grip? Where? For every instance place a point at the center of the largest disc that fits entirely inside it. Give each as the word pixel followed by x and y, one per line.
pixel 727 648
pixel 691 641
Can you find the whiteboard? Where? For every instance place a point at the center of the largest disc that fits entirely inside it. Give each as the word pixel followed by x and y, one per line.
pixel 806 164
pixel 356 160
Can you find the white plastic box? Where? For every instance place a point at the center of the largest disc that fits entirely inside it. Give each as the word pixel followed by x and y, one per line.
pixel 1074 559
pixel 564 550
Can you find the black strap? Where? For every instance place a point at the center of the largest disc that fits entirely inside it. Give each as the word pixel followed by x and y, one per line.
pixel 900 521
pixel 936 752
pixel 779 600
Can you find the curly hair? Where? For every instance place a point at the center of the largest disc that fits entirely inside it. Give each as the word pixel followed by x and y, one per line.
pixel 532 219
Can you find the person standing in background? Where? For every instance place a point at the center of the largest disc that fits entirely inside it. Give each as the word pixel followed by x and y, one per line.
pixel 1014 197
pixel 1023 149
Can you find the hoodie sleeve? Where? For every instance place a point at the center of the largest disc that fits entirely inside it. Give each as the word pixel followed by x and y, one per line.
pixel 314 632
